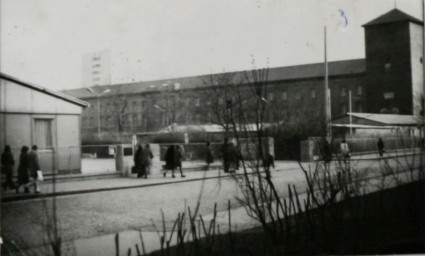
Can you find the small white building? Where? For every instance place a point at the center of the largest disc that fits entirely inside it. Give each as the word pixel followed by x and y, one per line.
pixel 33 115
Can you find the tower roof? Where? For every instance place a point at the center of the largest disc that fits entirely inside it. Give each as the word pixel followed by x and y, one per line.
pixel 393 16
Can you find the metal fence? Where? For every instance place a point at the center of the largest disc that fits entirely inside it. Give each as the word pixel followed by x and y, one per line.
pixel 358 145
pixel 193 151
pixel 369 145
pixel 73 160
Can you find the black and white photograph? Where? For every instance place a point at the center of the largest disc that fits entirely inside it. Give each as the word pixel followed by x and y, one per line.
pixel 212 127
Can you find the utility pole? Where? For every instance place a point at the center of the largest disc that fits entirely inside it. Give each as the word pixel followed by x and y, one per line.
pixel 327 95
pixel 98 106
pixel 350 110
pixel 422 130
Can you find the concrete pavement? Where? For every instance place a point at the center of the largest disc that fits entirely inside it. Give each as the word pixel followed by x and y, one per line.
pixel 194 171
pixel 82 186
pixel 95 218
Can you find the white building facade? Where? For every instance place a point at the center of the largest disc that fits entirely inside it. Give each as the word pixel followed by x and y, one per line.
pixel 33 115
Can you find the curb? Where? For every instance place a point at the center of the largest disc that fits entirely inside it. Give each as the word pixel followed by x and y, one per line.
pixel 87 191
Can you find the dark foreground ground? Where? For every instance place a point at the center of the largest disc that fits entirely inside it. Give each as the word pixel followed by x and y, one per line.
pixel 386 222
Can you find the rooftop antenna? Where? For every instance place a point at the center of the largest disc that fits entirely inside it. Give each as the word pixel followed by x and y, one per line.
pixel 395 4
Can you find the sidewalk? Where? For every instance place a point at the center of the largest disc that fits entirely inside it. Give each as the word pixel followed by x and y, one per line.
pixel 373 155
pixel 194 171
pixel 109 183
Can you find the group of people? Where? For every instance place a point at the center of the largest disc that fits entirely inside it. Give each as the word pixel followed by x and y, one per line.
pixel 28 167
pixel 232 156
pixel 143 161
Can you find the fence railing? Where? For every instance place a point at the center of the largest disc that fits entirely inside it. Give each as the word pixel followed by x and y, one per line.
pixel 89 159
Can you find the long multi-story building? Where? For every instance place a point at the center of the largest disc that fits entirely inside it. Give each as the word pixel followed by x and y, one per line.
pixel 388 80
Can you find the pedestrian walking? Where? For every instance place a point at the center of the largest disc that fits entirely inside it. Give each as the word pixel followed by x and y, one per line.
pixel 268 161
pixel 23 176
pixel 209 159
pixel 147 159
pixel 33 167
pixel 138 162
pixel 172 160
pixel 225 154
pixel 345 150
pixel 7 163
pixel 380 146
pixel 230 156
pixel 180 156
pixel 326 152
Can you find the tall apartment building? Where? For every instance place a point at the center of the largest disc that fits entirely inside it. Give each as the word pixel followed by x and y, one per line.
pixel 97 68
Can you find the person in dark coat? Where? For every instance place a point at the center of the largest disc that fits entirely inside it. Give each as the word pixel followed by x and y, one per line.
pixel 179 156
pixel 268 161
pixel 173 158
pixel 326 152
pixel 230 156
pixel 380 147
pixel 146 159
pixel 209 156
pixel 33 167
pixel 225 153
pixel 7 163
pixel 170 163
pixel 138 162
pixel 23 176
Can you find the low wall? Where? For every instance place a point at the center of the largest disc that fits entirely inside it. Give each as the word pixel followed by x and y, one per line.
pixel 310 149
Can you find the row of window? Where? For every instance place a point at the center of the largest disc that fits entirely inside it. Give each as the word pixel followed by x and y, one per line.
pixel 135 105
pixel 344 108
pixel 344 91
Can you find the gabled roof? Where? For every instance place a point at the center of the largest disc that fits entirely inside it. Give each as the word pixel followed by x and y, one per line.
pixel 393 16
pixel 308 71
pixel 385 119
pixel 59 95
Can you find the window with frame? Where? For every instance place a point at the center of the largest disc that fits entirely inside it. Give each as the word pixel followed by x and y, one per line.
pixel 270 96
pixel 359 90
pixel 343 108
pixel 343 92
pixel 359 106
pixel 284 95
pixel 313 93
pixel 43 132
pixel 298 95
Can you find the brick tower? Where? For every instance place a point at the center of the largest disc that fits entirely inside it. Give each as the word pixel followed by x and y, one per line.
pixel 394 71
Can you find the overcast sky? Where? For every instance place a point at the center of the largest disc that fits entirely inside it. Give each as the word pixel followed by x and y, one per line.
pixel 43 41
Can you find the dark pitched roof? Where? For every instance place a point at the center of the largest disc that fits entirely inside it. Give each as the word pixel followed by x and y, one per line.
pixel 59 95
pixel 393 16
pixel 309 71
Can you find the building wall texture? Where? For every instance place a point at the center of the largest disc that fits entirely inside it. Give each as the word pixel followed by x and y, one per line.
pixel 22 107
pixel 388 68
pixel 416 53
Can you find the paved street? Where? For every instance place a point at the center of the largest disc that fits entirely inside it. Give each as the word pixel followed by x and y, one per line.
pixel 139 205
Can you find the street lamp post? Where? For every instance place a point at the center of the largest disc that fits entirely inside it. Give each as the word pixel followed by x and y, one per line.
pixel 98 106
